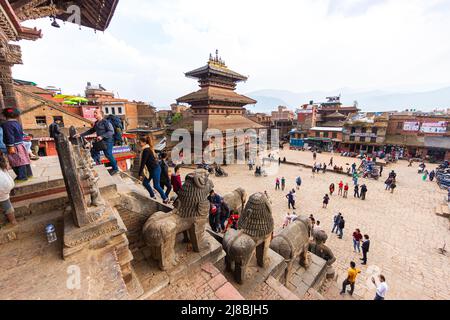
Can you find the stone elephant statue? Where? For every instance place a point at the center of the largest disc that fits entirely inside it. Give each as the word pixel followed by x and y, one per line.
pixel 236 199
pixel 255 227
pixel 189 216
pixel 293 243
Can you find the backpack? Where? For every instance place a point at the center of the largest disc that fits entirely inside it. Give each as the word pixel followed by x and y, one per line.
pixel 118 128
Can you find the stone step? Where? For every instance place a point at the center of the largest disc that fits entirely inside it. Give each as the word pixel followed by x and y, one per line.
pixel 445 210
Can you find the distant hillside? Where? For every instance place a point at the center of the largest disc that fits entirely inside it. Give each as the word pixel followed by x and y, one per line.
pixel 269 100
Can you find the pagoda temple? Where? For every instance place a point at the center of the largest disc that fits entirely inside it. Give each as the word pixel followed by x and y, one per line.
pixel 94 14
pixel 216 104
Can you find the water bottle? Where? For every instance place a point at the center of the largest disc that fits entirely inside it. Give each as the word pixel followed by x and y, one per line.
pixel 50 231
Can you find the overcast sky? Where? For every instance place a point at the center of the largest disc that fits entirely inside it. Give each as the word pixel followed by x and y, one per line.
pixel 295 45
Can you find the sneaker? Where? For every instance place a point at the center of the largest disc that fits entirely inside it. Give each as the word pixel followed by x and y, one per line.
pixel 114 172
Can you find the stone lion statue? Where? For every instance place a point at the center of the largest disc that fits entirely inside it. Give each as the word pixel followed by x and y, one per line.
pixel 255 227
pixel 189 216
pixel 318 247
pixel 293 243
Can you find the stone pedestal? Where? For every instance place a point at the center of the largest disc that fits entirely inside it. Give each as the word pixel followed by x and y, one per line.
pixel 107 232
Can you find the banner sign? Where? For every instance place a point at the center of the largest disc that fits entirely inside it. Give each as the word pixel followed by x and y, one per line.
pixel 434 127
pixel 411 126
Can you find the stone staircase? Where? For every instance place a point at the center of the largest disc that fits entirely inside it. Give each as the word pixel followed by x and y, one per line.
pixel 443 210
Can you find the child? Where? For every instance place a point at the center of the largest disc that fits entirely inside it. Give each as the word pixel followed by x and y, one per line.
pixel 175 180
pixel 6 185
pixel 233 220
pixel 326 199
pixel 341 187
pixel 331 189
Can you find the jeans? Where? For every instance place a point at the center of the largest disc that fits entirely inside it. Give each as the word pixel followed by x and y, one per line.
pixel 108 154
pixel 167 185
pixel 378 298
pixel 214 220
pixel 364 259
pixel 363 196
pixel 291 203
pixel 345 284
pixel 335 227
pixel 356 245
pixel 21 172
pixel 340 232
pixel 155 175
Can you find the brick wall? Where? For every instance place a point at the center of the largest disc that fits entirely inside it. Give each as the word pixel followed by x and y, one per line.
pixel 131 112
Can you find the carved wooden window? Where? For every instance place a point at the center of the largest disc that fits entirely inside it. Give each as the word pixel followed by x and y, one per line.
pixel 41 121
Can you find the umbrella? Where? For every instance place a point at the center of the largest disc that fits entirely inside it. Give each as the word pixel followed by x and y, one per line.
pixel 72 103
pixel 79 100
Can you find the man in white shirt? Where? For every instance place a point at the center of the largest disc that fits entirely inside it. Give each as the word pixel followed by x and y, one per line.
pixel 382 288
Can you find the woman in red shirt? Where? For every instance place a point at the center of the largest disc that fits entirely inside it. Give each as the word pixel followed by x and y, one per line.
pixel 346 190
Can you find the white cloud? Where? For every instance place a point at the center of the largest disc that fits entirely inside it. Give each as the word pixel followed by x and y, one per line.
pixel 296 45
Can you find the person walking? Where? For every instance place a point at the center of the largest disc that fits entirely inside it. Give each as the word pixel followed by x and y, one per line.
pixel 341 227
pixel 356 193
pixel 149 162
pixel 165 179
pixel 381 171
pixel 291 200
pixel 6 186
pixel 279 161
pixel 336 221
pixel 388 183
pixel 355 178
pixel 17 154
pixel 363 192
pixel 341 188
pixel 392 186
pixel 324 168
pixel 425 175
pixel 353 167
pixel 346 187
pixel 277 184
pixel 432 175
pixel 331 162
pixel 175 180
pixel 105 133
pixel 54 128
pixel 365 249
pixel 331 189
pixel 283 183
pixel 314 156
pixel 298 181
pixel 357 237
pixel 352 273
pixel 382 287
pixel 326 199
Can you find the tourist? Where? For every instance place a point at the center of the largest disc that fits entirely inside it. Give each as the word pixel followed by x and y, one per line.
pixel 392 175
pixel 324 168
pixel 314 156
pixel 336 221
pixel 288 219
pixel 284 160
pixel 346 187
pixel 363 192
pixel 331 162
pixel 279 161
pixel 6 186
pixel 233 220
pixel 165 179
pixel 341 227
pixel 410 162
pixel 351 279
pixel 54 129
pixel 331 189
pixel 283 183
pixel 341 188
pixel 432 175
pixel 28 144
pixel 224 215
pixel 381 171
pixel 313 170
pixel 148 161
pixel 16 152
pixel 277 184
pixel 326 199
pixel 356 193
pixel 291 200
pixel 353 167
pixel 104 141
pixel 382 287
pixel 357 237
pixel 215 201
pixel 317 227
pixel 175 180
pixel 355 178
pixel 365 248
pixel 298 181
